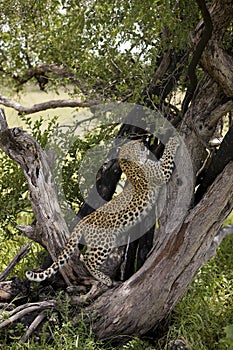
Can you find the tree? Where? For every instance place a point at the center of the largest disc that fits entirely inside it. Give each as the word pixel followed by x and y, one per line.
pixel 160 60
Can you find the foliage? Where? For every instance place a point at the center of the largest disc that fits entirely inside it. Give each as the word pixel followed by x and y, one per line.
pixel 14 202
pixel 229 336
pixel 38 128
pixel 97 46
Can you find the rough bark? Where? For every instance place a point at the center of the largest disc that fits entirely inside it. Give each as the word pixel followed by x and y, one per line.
pixel 215 59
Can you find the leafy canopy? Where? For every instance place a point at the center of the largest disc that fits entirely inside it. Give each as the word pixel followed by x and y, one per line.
pixel 106 47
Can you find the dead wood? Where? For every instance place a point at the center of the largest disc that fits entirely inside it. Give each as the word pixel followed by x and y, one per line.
pixel 20 255
pixel 33 326
pixel 21 311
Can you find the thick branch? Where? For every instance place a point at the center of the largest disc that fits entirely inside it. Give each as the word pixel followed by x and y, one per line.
pixel 219 65
pixel 215 60
pixel 44 105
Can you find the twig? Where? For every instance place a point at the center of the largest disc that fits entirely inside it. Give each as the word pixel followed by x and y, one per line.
pixel 25 309
pixel 5 101
pixel 39 318
pixel 23 251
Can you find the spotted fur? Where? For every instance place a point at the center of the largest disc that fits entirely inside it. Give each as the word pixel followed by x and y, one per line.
pixel 103 228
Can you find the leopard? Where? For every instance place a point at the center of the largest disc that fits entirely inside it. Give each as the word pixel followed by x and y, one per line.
pixel 102 229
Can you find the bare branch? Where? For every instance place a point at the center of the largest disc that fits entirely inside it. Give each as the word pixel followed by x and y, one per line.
pixel 37 321
pixel 23 251
pixel 219 112
pixel 43 72
pixel 25 309
pixel 5 101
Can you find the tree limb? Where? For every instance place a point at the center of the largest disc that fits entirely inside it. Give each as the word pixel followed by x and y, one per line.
pixel 215 59
pixel 220 112
pixel 41 73
pixel 5 101
pixel 25 309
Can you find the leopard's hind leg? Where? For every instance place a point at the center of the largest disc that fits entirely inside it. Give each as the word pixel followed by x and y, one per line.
pixel 93 260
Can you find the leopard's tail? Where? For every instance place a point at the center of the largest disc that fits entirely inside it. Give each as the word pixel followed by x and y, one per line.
pixel 56 265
